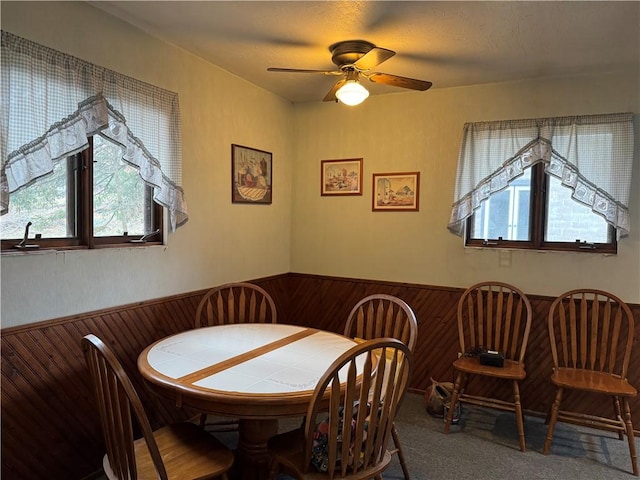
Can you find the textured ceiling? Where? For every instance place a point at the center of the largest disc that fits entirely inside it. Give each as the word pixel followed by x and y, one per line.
pixel 449 43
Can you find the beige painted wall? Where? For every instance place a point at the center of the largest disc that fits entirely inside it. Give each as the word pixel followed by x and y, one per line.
pixel 222 241
pixel 421 132
pixel 302 231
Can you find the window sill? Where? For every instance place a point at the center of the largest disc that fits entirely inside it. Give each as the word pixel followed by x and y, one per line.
pixel 604 252
pixel 14 252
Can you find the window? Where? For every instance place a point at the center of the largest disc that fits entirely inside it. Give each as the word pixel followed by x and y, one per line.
pixel 549 184
pixel 538 215
pixel 90 199
pixel 505 214
pixel 113 192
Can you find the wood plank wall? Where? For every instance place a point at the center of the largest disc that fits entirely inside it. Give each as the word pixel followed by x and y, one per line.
pixel 49 426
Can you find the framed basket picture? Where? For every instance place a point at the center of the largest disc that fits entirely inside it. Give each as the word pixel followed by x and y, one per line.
pixel 250 175
pixel 396 191
pixel 341 177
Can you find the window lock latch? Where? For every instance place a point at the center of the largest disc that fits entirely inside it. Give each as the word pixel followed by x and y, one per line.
pixel 143 238
pixel 585 246
pixel 487 242
pixel 23 245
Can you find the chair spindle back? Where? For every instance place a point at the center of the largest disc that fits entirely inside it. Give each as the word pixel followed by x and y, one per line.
pixel 494 316
pixel 592 330
pixel 116 398
pixel 362 405
pixel 235 303
pixel 383 316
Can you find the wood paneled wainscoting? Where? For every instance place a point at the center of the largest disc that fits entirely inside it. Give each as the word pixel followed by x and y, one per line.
pixel 50 428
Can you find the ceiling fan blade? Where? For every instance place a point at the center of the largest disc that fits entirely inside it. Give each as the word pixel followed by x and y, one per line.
pixel 397 81
pixel 331 95
pixel 298 70
pixel 373 58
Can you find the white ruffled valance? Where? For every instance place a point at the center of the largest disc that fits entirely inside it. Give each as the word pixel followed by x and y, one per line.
pixel 591 154
pixel 52 103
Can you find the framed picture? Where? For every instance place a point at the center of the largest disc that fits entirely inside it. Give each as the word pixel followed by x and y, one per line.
pixel 250 175
pixel 341 177
pixel 396 191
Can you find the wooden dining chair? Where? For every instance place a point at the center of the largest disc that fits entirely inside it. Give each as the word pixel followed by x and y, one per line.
pixel 175 452
pixel 240 302
pixel 493 316
pixel 591 335
pixel 378 316
pixel 350 441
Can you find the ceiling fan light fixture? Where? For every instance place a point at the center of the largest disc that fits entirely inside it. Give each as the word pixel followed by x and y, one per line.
pixel 352 93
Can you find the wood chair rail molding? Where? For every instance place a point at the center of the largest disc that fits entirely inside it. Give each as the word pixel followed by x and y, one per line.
pixel 46 389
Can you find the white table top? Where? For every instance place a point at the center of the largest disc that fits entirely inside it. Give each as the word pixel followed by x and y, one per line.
pixel 243 359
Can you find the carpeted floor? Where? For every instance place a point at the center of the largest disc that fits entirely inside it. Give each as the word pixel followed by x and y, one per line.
pixel 484 446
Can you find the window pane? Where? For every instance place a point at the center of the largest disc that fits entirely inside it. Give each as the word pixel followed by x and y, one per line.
pixel 498 214
pixel 523 206
pixel 568 220
pixel 44 204
pixel 118 193
pixel 505 213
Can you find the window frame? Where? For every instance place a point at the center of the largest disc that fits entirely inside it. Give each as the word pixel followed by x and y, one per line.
pixel 80 186
pixel 537 221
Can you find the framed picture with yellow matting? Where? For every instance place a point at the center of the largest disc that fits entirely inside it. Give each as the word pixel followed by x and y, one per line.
pixel 395 192
pixel 250 175
pixel 341 177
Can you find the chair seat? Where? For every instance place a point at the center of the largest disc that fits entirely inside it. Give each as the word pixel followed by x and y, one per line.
pixel 510 370
pixel 187 453
pixel 599 382
pixel 289 447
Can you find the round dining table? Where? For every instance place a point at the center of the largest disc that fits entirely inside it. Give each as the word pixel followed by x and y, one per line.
pixel 254 372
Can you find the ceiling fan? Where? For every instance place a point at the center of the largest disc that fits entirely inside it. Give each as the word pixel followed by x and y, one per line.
pixel 355 59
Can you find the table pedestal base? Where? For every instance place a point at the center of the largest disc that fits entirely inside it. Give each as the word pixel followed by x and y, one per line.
pixel 252 461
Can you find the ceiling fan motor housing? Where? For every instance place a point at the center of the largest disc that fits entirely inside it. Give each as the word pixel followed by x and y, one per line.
pixel 349 52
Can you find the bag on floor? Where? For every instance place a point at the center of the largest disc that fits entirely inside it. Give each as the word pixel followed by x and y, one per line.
pixel 438 399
